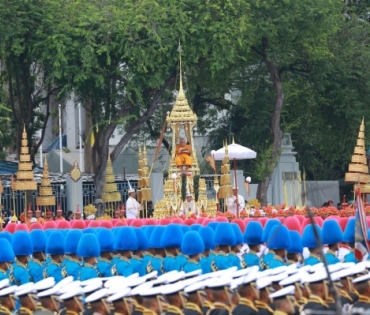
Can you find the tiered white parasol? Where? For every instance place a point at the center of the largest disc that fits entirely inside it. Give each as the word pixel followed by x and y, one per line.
pixel 235 152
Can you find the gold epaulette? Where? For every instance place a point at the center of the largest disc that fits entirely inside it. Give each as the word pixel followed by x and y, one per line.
pixel 345 294
pixel 25 310
pixel 244 301
pixel 174 310
pixel 5 310
pixel 193 307
pixel 208 304
pixel 302 301
pixel 263 305
pixel 139 308
pixel 364 299
pixel 221 306
pixel 316 299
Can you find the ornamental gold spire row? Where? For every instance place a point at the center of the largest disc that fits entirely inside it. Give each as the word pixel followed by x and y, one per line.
pixel 358 171
pixel 25 175
pixel 46 197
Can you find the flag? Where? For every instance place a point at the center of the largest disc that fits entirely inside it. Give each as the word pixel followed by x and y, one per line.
pixel 361 242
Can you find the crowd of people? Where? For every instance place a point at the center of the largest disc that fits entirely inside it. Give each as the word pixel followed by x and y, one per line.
pixel 212 268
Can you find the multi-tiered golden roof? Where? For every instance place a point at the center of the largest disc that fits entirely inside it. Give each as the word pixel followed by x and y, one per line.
pixel 144 192
pixel 182 119
pixel 110 187
pixel 25 175
pixel 358 171
pixel 46 197
pixel 225 190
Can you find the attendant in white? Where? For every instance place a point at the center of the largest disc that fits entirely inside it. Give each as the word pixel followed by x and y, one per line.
pixel 133 208
pixel 189 206
pixel 232 202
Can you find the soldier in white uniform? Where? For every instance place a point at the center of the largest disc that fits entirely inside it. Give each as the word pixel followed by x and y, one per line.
pixel 133 208
pixel 232 202
pixel 189 206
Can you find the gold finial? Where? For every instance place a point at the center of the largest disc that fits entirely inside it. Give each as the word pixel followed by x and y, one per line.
pixel 109 161
pixel 179 49
pixel 46 166
pixel 24 127
pixel 233 140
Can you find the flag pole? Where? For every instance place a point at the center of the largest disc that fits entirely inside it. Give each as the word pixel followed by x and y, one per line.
pixel 60 138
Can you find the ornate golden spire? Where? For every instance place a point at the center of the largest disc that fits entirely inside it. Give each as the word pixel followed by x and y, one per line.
pixel 25 175
pixel 110 188
pixel 358 171
pixel 45 197
pixel 181 111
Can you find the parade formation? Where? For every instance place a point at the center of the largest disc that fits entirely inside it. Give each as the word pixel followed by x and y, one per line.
pixel 166 266
pixel 181 257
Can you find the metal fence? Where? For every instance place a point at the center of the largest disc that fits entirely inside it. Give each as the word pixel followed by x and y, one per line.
pixel 16 200
pixel 88 191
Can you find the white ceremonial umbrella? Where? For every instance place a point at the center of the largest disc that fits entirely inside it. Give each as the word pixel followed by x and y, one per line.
pixel 235 152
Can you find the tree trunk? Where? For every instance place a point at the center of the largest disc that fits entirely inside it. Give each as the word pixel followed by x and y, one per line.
pixel 87 145
pixel 100 168
pixel 276 133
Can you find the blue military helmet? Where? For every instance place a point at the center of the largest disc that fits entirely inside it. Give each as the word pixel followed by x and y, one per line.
pixel 296 244
pixel 213 225
pixel 156 236
pixel 207 234
pixel 89 230
pixel 349 232
pixel 279 238
pixel 224 234
pixel 55 244
pixel 88 246
pixel 106 240
pixel 141 238
pixel 6 252
pixel 253 233
pixel 148 229
pixel 308 236
pixel 238 234
pixel 195 227
pixel 71 241
pixel 172 236
pixel 192 244
pixel 266 231
pixel 331 232
pixel 7 235
pixel 39 240
pixel 22 244
pixel 185 228
pixel 126 239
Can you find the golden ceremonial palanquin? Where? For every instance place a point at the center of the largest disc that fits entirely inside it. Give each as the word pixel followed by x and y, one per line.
pixel 182 120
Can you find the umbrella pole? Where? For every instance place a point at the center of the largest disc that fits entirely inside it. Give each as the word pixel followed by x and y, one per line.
pixel 237 191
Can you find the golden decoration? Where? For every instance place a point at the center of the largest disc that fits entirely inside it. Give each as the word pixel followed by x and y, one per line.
pixel 358 169
pixel 181 117
pixel 110 188
pixel 89 210
pixel 24 175
pixel 46 197
pixel 75 173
